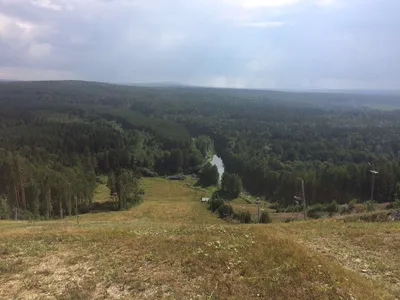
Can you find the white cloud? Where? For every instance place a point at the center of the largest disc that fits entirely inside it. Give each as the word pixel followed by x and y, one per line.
pixel 252 4
pixel 47 4
pixel 263 24
pixel 24 73
pixel 170 39
pixel 39 50
pixel 20 30
pixel 56 5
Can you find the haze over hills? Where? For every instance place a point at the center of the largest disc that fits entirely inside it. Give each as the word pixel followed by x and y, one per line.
pixel 323 98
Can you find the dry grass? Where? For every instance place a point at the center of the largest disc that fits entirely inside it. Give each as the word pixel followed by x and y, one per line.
pixel 371 249
pixel 171 247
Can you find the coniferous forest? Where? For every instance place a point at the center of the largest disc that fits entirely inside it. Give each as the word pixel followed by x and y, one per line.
pixel 57 138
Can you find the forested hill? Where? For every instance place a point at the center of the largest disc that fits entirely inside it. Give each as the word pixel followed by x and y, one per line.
pixel 56 137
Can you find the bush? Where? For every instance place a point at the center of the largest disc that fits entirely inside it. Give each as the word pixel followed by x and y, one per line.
pixel 394 205
pixel 5 211
pixel 370 205
pixel 291 208
pixel 265 218
pixel 243 217
pixel 275 206
pixel 313 214
pixel 147 172
pixel 225 211
pixel 352 204
pixel 316 211
pixel 349 207
pixel 215 203
pixel 332 207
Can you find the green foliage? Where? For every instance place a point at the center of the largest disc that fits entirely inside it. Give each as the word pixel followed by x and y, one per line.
pixel 394 205
pixel 209 175
pixel 274 205
pixel 316 211
pixel 127 188
pixel 231 185
pixel 5 211
pixel 225 211
pixel 265 218
pixel 243 217
pixel 332 207
pixel 59 135
pixel 215 203
pixel 292 208
pixel 352 204
pixel 112 183
pixel 205 144
pixel 370 205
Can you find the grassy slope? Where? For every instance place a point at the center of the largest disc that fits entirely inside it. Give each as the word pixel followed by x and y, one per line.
pixel 171 247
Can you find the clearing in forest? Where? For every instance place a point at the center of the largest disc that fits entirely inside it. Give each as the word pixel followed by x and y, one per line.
pixel 172 247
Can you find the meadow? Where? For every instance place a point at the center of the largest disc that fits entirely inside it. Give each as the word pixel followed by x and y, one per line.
pixel 171 247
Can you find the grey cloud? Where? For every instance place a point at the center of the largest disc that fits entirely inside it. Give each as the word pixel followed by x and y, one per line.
pixel 348 43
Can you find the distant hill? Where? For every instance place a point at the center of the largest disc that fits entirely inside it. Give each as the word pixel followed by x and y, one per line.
pixel 157 84
pixel 107 92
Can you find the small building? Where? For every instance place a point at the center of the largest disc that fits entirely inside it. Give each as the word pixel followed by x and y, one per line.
pixel 204 199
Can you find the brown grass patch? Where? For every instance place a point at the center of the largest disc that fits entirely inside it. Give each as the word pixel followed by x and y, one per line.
pixel 171 247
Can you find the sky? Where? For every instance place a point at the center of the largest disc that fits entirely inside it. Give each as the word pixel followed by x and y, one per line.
pixel 272 44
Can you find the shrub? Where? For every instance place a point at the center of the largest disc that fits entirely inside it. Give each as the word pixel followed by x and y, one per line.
pixel 265 218
pixel 225 211
pixel 332 207
pixel 316 211
pixel 275 206
pixel 370 205
pixel 394 205
pixel 292 208
pixel 313 214
pixel 352 204
pixel 215 203
pixel 5 211
pixel 147 172
pixel 243 217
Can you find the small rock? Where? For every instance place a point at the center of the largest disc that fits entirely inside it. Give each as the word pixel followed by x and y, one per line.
pixel 364 271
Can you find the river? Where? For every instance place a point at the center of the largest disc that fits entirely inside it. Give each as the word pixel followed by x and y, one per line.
pixel 217 161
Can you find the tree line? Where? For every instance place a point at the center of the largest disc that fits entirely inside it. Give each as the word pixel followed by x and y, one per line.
pixel 270 140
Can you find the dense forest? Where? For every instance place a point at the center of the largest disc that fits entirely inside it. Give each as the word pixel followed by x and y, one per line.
pixel 56 138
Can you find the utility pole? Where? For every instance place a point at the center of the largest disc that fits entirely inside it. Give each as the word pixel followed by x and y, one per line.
pixel 76 210
pixel 373 174
pixel 258 205
pixel 303 199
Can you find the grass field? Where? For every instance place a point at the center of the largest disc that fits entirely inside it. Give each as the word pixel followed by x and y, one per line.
pixel 172 247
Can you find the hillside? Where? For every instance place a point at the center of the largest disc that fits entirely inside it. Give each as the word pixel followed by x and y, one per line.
pixel 75 129
pixel 172 247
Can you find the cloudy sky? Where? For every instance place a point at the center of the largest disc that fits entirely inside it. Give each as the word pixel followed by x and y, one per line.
pixel 284 44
